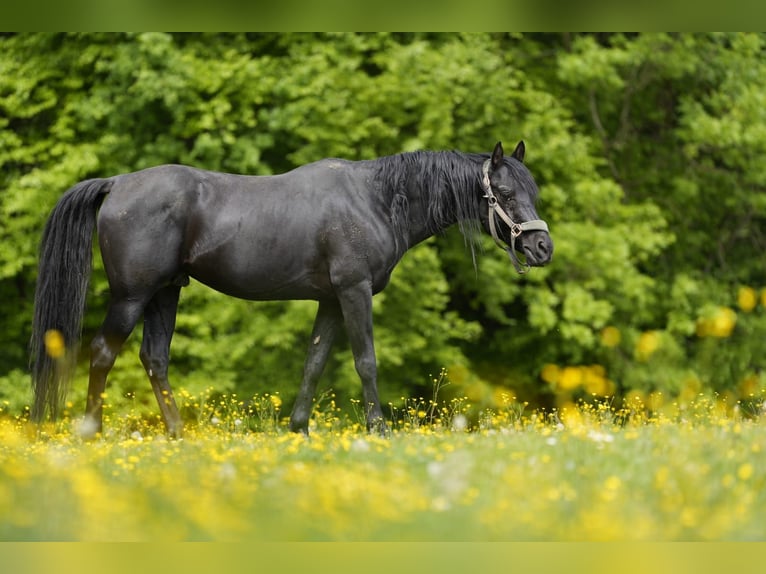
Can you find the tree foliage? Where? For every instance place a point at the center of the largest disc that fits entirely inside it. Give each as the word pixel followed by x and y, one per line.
pixel 647 149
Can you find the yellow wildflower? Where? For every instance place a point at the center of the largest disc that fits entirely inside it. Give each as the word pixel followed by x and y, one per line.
pixel 570 378
pixel 595 381
pixel 688 517
pixel 636 398
pixel 719 324
pixel 655 400
pixel 550 373
pixel 501 397
pixel 610 336
pixel 747 299
pixel 745 471
pixel 54 343
pixel 690 389
pixel 647 344
pixel 612 486
pixel 571 416
pixel 750 385
pixel 661 477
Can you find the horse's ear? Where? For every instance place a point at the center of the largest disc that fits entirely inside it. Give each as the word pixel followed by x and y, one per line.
pixel 497 155
pixel 518 153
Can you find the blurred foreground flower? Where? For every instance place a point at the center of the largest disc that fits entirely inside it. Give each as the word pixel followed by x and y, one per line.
pixel 54 343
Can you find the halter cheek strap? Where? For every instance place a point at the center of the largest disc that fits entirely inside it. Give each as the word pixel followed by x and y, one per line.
pixel 516 229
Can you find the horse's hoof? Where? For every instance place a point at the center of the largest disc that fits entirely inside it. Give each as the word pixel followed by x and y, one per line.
pixel 300 429
pixel 379 427
pixel 88 428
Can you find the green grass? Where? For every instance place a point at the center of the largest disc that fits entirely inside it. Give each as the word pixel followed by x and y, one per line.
pixel 585 473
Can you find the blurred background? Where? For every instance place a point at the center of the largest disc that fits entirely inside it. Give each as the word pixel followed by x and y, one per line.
pixel 648 150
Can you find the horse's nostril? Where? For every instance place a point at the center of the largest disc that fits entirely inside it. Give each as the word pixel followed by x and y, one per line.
pixel 542 247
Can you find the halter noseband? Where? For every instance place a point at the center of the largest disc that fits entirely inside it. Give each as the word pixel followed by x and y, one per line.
pixel 516 229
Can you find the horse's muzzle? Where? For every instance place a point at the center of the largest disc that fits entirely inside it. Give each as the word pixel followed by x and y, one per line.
pixel 537 247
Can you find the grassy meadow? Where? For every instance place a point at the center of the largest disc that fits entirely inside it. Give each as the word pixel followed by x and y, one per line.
pixel 583 473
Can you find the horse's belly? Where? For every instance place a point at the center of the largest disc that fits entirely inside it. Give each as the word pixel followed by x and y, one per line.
pixel 291 261
pixel 264 291
pixel 272 280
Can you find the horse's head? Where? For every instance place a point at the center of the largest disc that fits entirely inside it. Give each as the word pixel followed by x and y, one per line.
pixel 510 195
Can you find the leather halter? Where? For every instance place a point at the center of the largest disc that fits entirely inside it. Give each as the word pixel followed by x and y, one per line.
pixel 516 229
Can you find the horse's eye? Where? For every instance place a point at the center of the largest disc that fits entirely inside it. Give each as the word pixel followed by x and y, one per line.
pixel 504 189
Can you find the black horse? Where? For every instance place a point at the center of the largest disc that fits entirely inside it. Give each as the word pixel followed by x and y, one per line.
pixel 330 231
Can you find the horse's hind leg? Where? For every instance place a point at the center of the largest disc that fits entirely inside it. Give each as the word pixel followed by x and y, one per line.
pixel 159 323
pixel 326 325
pixel 121 318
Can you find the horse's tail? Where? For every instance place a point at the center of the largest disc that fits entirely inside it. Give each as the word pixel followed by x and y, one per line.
pixel 62 283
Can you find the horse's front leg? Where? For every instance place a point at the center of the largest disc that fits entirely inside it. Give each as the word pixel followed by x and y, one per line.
pixel 328 322
pixel 356 303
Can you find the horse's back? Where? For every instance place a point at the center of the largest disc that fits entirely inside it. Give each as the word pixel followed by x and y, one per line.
pixel 257 237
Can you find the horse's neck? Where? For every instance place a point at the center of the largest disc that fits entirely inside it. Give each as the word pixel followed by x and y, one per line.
pixel 432 213
pixel 437 190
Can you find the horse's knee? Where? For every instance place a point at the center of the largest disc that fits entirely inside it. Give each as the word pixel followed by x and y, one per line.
pixel 145 357
pixel 366 367
pixel 155 365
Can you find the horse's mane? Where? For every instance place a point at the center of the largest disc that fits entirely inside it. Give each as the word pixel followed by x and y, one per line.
pixel 448 182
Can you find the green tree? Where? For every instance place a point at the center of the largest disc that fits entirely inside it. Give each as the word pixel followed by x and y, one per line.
pixel 677 120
